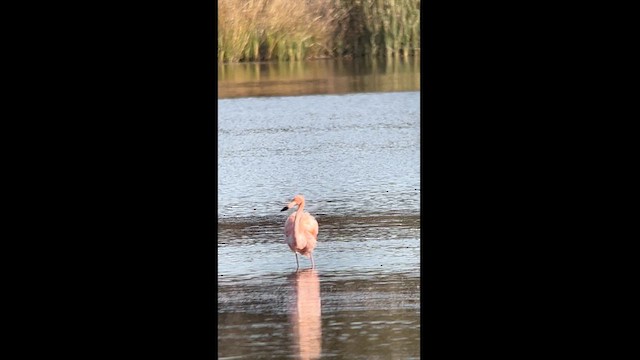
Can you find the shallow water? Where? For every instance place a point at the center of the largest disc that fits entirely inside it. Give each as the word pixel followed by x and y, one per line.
pixel 356 159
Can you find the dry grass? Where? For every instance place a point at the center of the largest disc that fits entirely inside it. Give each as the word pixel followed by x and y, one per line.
pixel 251 30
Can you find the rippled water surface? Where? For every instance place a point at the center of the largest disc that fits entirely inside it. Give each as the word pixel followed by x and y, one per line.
pixel 356 158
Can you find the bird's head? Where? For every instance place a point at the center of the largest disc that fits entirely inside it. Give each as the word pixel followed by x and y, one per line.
pixel 297 200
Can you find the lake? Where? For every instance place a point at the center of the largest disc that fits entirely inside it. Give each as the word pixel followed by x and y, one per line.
pixel 355 156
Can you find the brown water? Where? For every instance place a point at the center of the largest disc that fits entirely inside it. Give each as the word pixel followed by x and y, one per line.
pixel 318 77
pixel 356 158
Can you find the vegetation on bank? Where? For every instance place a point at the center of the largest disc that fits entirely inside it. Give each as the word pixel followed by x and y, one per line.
pixel 284 30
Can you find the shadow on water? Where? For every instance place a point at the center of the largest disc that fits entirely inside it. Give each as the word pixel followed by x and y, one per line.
pixel 305 314
pixel 247 234
pixel 318 77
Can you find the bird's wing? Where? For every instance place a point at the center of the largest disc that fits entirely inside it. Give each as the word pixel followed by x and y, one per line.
pixel 310 224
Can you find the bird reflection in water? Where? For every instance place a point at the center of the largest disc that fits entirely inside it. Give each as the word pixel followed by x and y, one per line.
pixel 305 313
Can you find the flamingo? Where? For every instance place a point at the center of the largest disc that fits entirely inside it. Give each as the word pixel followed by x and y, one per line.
pixel 300 230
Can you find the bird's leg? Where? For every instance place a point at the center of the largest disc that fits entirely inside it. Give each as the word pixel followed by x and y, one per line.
pixel 313 264
pixel 297 263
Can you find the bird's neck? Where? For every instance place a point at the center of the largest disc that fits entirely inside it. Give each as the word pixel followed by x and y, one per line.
pixel 299 213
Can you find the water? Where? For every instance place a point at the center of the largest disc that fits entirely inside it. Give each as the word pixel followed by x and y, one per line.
pixel 355 157
pixel 346 153
pixel 318 77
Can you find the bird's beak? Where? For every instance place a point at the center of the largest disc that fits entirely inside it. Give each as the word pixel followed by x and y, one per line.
pixel 285 208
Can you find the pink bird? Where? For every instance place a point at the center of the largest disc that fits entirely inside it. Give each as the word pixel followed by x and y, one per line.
pixel 300 230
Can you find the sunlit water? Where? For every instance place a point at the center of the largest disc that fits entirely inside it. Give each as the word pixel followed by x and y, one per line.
pixel 356 158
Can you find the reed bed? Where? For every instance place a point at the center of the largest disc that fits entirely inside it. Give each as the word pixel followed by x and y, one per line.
pixel 255 30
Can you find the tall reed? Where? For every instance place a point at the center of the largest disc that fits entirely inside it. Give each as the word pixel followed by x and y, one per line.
pixel 379 27
pixel 251 30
